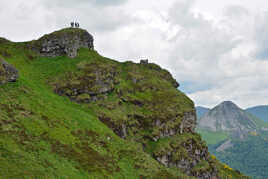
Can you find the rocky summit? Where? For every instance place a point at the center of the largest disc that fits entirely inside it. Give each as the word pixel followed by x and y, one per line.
pixel 63 42
pixel 73 113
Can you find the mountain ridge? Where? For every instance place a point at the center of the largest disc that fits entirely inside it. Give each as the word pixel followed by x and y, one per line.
pixel 260 111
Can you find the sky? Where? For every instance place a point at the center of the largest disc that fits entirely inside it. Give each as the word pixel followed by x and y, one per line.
pixel 216 50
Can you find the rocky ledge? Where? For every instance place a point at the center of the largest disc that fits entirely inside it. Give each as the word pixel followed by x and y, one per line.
pixel 63 42
pixel 151 110
pixel 7 72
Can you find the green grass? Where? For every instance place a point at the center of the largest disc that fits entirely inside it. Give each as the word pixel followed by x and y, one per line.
pixel 44 135
pixel 212 137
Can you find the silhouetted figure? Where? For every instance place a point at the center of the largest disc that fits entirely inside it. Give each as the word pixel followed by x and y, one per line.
pixel 72 24
pixel 78 25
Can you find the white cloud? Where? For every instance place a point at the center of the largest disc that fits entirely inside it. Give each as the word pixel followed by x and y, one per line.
pixel 213 48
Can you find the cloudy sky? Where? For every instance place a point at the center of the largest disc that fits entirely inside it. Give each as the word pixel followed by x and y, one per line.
pixel 217 50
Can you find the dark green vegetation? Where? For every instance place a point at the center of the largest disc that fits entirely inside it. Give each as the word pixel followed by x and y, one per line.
pixel 259 111
pixel 249 156
pixel 248 150
pixel 212 137
pixel 93 117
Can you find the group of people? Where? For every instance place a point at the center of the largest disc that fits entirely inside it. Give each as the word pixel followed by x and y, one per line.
pixel 75 24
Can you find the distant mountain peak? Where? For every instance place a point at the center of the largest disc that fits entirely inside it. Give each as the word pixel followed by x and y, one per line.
pixel 228 117
pixel 228 104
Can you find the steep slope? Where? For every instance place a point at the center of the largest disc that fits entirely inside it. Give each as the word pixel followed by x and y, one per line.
pixel 259 111
pixel 201 111
pixel 92 117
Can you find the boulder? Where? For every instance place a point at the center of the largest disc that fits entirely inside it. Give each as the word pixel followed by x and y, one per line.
pixel 7 72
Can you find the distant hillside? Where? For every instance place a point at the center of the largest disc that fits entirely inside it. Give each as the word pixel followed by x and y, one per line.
pixel 228 117
pixel 201 111
pixel 259 111
pixel 249 156
pixel 237 138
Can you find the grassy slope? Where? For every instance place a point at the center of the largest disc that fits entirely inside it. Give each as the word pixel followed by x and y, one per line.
pixel 43 135
pixel 212 137
pixel 260 112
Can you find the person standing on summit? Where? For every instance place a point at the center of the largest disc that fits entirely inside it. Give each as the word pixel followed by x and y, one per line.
pixel 76 24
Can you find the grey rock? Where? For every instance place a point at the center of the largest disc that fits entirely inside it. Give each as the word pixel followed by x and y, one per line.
pixel 64 42
pixel 8 73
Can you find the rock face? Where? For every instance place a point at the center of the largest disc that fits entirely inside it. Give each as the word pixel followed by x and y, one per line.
pixel 95 83
pixel 153 114
pixel 7 72
pixel 228 117
pixel 183 152
pixel 64 42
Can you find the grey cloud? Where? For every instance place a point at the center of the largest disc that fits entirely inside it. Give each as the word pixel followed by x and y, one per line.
pixel 90 14
pixel 199 46
pixel 75 3
pixel 180 13
pixel 235 11
pixel 261 36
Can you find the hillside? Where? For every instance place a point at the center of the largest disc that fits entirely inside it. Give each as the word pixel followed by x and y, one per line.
pixel 249 156
pixel 259 111
pixel 68 112
pixel 236 138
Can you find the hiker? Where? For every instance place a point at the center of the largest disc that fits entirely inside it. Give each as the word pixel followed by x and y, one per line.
pixel 72 24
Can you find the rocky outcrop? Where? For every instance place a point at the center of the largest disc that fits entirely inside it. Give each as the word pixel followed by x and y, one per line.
pixel 7 72
pixel 63 42
pixel 183 152
pixel 94 83
pixel 187 155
